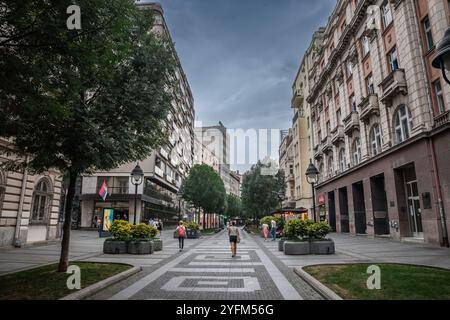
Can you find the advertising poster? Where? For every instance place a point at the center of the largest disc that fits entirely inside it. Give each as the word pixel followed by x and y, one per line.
pixel 108 218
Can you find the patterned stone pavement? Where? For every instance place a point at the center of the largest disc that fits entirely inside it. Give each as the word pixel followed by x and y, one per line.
pixel 206 271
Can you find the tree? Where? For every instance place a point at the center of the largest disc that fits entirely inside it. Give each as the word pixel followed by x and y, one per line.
pixel 82 100
pixel 259 193
pixel 233 206
pixel 204 189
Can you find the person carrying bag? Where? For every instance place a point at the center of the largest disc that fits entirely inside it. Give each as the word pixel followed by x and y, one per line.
pixel 181 234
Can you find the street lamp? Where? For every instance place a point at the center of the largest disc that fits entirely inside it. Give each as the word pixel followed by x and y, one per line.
pixel 312 176
pixel 137 177
pixel 442 57
pixel 179 197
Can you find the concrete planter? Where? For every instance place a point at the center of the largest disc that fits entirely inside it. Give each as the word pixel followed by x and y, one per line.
pixel 281 244
pixel 140 247
pixel 157 245
pixel 192 234
pixel 322 247
pixel 296 248
pixel 115 247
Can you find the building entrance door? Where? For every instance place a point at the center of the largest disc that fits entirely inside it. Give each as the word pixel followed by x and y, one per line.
pixel 414 210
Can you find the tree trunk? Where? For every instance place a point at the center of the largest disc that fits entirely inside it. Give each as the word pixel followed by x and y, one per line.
pixel 64 259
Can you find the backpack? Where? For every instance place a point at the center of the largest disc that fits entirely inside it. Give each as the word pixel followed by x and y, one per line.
pixel 181 232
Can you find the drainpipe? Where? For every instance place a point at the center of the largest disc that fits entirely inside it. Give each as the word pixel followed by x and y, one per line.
pixel 17 241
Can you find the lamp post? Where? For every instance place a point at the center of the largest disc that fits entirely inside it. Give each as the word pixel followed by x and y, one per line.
pixel 137 177
pixel 312 176
pixel 179 197
pixel 281 198
pixel 442 58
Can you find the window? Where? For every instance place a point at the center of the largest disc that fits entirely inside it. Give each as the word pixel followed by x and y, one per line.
pixel 393 59
pixel 402 124
pixel 330 167
pixel 365 46
pixel 349 69
pixel 2 189
pixel 370 86
pixel 328 128
pixel 338 117
pixel 352 103
pixel 428 34
pixel 376 140
pixel 356 149
pixel 387 15
pixel 342 160
pixel 41 201
pixel 439 96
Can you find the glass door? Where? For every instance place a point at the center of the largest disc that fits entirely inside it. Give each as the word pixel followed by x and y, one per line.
pixel 414 210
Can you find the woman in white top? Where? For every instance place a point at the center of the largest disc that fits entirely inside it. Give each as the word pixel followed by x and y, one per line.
pixel 233 233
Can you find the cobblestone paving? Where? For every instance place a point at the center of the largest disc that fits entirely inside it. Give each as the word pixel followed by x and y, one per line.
pixel 206 271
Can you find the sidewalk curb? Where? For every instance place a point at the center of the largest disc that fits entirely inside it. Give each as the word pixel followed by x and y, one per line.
pixel 91 290
pixel 317 285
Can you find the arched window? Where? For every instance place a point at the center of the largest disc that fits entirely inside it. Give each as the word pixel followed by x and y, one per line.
pixel 330 166
pixel 41 201
pixel 356 151
pixel 342 160
pixel 402 124
pixel 376 139
pixel 2 189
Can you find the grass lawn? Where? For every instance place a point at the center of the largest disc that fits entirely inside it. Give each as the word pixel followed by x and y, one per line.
pixel 398 282
pixel 44 283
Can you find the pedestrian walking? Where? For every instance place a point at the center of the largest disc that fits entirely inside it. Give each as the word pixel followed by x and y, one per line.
pixel 160 226
pixel 273 230
pixel 265 231
pixel 233 233
pixel 181 234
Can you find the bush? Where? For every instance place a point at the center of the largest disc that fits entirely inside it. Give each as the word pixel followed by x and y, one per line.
pixel 318 231
pixel 295 229
pixel 192 225
pixel 143 232
pixel 121 230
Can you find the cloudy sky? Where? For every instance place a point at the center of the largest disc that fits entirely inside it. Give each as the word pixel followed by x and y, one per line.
pixel 241 56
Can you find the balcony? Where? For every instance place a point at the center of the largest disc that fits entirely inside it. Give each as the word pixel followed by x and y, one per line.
pixel 297 99
pixel 393 85
pixel 326 145
pixel 318 155
pixel 351 123
pixel 442 119
pixel 163 153
pixel 368 107
pixel 290 177
pixel 337 135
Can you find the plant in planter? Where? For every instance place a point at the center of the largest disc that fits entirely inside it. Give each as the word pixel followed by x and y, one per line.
pixel 318 243
pixel 295 231
pixel 121 232
pixel 141 239
pixel 192 230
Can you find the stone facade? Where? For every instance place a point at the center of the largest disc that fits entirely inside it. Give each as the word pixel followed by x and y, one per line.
pixel 378 113
pixel 33 200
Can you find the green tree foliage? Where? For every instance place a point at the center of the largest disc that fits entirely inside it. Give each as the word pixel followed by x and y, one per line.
pixel 82 100
pixel 204 189
pixel 259 193
pixel 233 206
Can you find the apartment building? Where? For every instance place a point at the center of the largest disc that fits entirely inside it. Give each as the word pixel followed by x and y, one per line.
pixel 164 170
pixel 235 186
pixel 286 162
pixel 29 204
pixel 379 119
